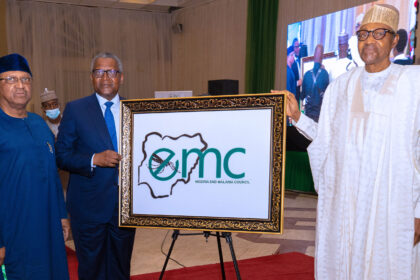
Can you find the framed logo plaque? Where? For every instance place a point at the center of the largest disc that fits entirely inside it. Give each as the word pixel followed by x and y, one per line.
pixel 203 163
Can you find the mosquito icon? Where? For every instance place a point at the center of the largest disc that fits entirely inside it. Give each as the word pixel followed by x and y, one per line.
pixel 160 161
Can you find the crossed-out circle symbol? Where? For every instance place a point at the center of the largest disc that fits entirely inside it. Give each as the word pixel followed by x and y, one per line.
pixel 155 171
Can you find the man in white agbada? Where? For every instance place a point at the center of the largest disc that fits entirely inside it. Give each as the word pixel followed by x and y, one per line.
pixel 342 64
pixel 365 160
pixel 353 43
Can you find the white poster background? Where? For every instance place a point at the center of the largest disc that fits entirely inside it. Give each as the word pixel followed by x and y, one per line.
pixel 248 197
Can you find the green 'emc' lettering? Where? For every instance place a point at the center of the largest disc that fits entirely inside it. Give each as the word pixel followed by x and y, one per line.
pixel 201 156
pixel 226 163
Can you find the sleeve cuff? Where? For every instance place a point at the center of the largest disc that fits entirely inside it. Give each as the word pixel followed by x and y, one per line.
pixel 305 126
pixel 92 166
pixel 303 121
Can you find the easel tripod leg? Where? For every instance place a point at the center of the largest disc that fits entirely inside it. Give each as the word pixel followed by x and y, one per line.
pixel 228 237
pixel 219 246
pixel 174 237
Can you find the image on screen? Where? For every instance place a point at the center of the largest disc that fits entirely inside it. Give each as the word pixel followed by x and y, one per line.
pixel 336 33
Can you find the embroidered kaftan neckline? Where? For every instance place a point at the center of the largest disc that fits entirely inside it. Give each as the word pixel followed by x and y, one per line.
pixel 372 84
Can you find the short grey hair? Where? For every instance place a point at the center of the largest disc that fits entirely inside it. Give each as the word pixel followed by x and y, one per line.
pixel 107 55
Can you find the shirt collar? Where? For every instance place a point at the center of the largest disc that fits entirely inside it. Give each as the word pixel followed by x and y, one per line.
pixel 400 56
pixel 102 101
pixel 382 73
pixel 317 65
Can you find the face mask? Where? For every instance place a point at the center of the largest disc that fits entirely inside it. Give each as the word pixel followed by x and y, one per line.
pixel 53 114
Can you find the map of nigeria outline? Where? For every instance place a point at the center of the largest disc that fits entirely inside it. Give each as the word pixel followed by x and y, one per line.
pixel 161 173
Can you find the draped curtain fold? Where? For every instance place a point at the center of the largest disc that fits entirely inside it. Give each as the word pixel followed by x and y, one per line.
pixel 261 45
pixel 59 40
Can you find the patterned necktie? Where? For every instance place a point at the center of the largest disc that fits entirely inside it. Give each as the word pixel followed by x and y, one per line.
pixel 110 123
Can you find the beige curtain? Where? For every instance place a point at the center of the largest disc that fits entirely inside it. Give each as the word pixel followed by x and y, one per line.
pixel 59 40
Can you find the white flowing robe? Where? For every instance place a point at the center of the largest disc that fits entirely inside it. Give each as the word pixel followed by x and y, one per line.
pixel 365 159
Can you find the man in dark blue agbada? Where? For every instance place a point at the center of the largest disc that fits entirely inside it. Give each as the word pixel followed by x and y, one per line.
pixel 33 218
pixel 315 83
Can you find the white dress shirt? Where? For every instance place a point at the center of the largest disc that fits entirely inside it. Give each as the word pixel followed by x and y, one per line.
pixel 115 109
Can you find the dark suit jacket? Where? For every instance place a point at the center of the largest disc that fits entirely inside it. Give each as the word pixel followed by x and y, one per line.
pixel 403 61
pixel 295 70
pixel 92 194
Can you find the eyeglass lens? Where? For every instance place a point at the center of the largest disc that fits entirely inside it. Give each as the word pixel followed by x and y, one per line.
pixel 99 73
pixel 14 80
pixel 377 34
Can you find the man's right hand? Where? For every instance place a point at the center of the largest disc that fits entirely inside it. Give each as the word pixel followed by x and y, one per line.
pixel 292 109
pixel 2 255
pixel 107 158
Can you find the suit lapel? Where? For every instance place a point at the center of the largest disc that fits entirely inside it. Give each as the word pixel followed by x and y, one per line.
pixel 98 121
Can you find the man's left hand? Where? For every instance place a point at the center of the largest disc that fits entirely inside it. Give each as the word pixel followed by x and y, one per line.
pixel 416 230
pixel 65 223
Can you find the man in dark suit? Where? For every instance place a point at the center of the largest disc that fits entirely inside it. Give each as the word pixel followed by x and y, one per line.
pixel 296 66
pixel 398 51
pixel 291 79
pixel 87 147
pixel 315 82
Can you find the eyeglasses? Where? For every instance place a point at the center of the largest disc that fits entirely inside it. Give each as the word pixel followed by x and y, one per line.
pixel 50 105
pixel 377 34
pixel 14 80
pixel 99 73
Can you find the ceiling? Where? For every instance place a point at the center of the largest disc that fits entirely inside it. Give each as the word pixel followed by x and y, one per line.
pixel 145 5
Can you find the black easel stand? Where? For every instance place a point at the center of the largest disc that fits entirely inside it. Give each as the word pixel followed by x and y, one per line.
pixel 226 235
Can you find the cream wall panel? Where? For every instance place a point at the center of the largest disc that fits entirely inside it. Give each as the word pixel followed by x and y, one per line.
pixel 211 46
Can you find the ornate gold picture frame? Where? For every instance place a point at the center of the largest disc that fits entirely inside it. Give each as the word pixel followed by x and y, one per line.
pixel 203 163
pixel 308 62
